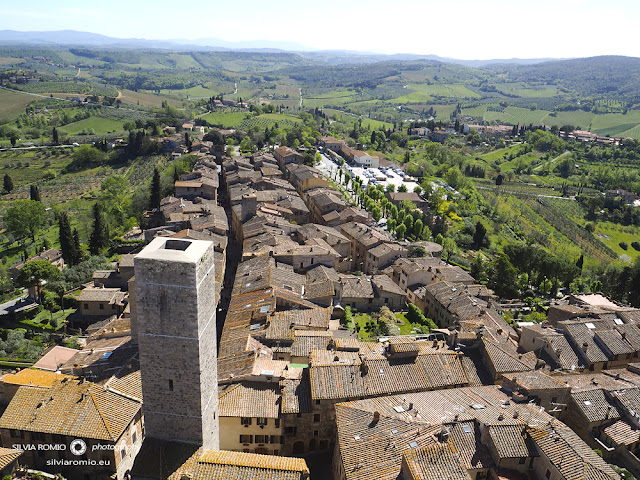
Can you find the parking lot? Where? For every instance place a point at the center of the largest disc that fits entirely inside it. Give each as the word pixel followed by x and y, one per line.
pixel 376 176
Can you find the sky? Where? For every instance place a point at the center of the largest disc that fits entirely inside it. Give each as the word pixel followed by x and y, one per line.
pixel 464 29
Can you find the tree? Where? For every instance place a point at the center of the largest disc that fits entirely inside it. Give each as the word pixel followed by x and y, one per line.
pixel 34 193
pixel 34 272
pixel 86 156
pixel 59 287
pixel 115 199
pixel 7 183
pixel 99 238
pixel 479 236
pixel 156 195
pixel 70 252
pixel 503 277
pixel 49 301
pixel 545 286
pixel 402 188
pixel 499 180
pixel 25 218
pixel 400 231
pixel 54 136
pixel 417 229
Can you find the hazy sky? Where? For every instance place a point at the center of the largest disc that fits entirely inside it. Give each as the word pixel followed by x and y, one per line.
pixel 466 29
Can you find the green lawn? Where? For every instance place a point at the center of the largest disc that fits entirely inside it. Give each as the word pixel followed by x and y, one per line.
pixel 99 125
pixel 43 321
pixel 612 234
pixel 500 153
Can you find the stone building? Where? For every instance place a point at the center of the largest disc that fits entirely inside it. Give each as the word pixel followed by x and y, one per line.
pixel 176 325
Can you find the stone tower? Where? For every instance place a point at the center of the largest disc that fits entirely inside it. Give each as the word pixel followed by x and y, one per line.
pixel 176 324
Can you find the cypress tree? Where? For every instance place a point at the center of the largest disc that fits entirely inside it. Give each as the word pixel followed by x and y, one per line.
pixel 99 235
pixel 7 183
pixel 77 250
pixel 55 138
pixel 34 193
pixel 154 201
pixel 67 244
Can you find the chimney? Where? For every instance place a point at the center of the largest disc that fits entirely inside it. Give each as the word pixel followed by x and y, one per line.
pixel 585 346
pixel 376 416
pixel 249 206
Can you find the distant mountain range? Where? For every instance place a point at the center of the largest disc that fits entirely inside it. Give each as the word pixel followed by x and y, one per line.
pixel 331 57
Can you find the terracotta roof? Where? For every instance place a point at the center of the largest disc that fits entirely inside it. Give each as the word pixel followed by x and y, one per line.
pixel 511 441
pixel 55 358
pixel 569 454
pixel 222 465
pixel 505 359
pixel 250 400
pixel 535 380
pixel 356 286
pixel 72 408
pixel 31 378
pixel 384 284
pixel 622 433
pixel 316 318
pixel 8 455
pixel 111 295
pixel 594 406
pixel 435 461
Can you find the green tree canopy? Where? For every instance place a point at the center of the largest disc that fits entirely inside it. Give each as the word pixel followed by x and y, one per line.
pixel 34 272
pixel 7 183
pixel 25 218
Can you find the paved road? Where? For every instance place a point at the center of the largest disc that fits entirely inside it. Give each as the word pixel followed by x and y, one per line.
pixel 15 305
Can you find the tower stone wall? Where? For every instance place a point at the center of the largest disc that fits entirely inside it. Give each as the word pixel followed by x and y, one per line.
pixel 176 330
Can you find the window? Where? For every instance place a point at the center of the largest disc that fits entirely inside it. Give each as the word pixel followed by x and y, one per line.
pixel 246 438
pixel 277 423
pixel 276 439
pixel 554 399
pixel 262 438
pixel 102 306
pixel 134 436
pixel 16 433
pixel 123 453
pixel 522 460
pixel 171 385
pixel 261 421
pixel 298 415
pixel 386 300
pixel 316 417
pixel 317 402
pixel 316 433
pixel 86 306
pixel 547 475
pixel 246 421
pixel 290 431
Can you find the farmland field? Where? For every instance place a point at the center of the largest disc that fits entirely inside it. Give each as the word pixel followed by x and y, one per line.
pixel 12 104
pixel 97 124
pixel 129 96
pixel 225 119
pixel 453 90
pixel 517 115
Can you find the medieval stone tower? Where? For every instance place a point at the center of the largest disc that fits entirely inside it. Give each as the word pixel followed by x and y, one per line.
pixel 176 325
